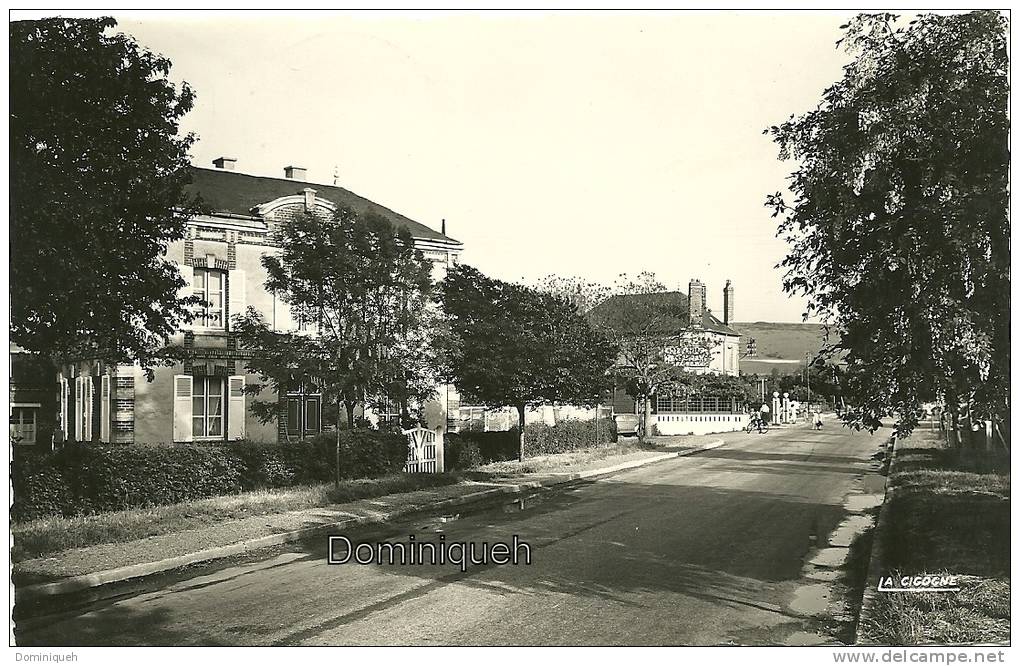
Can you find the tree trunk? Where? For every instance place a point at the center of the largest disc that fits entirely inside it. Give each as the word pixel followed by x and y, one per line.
pixel 349 405
pixel 520 433
pixel 338 404
pixel 646 418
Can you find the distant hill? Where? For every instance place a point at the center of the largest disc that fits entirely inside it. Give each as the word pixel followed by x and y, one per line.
pixel 781 345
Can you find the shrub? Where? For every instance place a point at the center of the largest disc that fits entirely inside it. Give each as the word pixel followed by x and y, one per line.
pixel 462 453
pixel 82 479
pixel 539 439
pixel 40 489
pixel 492 446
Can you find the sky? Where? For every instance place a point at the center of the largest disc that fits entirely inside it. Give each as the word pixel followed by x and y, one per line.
pixel 585 144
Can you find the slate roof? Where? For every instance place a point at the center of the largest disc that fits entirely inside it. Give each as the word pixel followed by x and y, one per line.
pixel 237 193
pixel 669 306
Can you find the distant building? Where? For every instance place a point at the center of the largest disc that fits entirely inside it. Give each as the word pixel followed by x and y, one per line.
pixel 202 398
pixel 32 400
pixel 684 315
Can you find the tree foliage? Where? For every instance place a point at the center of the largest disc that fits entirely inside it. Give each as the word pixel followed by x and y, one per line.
pixel 513 346
pixel 97 193
pixel 365 292
pixel 898 220
pixel 651 328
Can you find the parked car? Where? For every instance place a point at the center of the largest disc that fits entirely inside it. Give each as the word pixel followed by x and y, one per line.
pixel 626 424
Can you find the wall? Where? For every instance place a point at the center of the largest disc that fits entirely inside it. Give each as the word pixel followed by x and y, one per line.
pixel 698 424
pixel 725 355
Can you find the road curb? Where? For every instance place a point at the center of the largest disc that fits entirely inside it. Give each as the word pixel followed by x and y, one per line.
pixel 133 571
pixel 870 597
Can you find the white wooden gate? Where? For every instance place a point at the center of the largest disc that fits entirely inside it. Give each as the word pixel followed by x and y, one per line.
pixel 424 451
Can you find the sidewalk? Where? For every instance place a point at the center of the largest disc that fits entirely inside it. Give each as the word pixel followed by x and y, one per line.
pixel 94 566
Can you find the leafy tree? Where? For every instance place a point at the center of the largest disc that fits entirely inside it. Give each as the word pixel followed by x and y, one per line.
pixel 513 346
pixel 651 329
pixel 898 224
pixel 97 193
pixel 366 290
pixel 584 294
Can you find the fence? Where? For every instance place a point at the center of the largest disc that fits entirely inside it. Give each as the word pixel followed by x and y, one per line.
pixel 666 404
pixel 424 451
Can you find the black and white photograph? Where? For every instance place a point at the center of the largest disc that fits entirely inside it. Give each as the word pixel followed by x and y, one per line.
pixel 432 328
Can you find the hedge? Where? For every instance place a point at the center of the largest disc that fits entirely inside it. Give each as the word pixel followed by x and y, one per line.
pixel 83 479
pixel 471 448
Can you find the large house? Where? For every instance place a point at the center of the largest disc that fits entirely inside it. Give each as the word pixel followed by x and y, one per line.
pixel 683 315
pixel 202 399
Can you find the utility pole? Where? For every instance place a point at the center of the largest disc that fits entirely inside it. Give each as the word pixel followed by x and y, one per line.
pixel 807 374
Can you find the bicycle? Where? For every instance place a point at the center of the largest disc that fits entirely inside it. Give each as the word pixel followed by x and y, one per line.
pixel 757 422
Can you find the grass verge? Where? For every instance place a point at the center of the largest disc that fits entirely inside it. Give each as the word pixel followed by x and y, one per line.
pixel 949 514
pixel 45 536
pixel 574 461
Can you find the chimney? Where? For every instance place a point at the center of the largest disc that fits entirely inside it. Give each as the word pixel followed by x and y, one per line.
pixel 696 301
pixel 225 163
pixel 728 303
pixel 443 231
pixel 294 172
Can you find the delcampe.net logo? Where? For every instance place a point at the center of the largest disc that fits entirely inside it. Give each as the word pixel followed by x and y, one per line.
pixel 919 583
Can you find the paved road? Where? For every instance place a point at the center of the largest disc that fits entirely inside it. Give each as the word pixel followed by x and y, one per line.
pixel 702 550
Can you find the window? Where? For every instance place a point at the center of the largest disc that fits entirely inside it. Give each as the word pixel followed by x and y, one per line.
pixel 210 286
pixel 23 424
pixel 389 411
pixel 207 401
pixel 304 413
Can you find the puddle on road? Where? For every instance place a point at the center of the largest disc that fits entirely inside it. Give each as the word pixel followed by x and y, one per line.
pixel 829 575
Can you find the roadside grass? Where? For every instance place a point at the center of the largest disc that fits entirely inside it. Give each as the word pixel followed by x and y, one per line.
pixel 573 461
pixel 949 515
pixel 46 536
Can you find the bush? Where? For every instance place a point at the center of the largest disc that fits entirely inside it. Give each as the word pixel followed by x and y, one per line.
pixel 492 446
pixel 464 448
pixel 461 453
pixel 541 439
pixel 83 479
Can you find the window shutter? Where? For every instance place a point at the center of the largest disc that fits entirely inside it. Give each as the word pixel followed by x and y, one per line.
pixel 236 413
pixel 182 408
pixel 236 287
pixel 285 322
pixel 78 389
pixel 63 406
pixel 188 273
pixel 104 410
pixel 87 405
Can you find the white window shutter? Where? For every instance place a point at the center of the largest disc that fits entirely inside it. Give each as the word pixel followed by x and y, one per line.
pixel 182 408
pixel 188 273
pixel 104 411
pixel 236 287
pixel 87 409
pixel 285 321
pixel 63 406
pixel 236 413
pixel 78 411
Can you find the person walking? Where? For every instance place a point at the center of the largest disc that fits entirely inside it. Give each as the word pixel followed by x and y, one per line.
pixel 818 419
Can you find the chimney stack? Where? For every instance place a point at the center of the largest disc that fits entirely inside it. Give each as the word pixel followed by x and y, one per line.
pixel 294 172
pixel 225 163
pixel 696 301
pixel 443 230
pixel 728 303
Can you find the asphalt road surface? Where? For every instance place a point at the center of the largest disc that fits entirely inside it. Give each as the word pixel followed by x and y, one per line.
pixel 703 550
